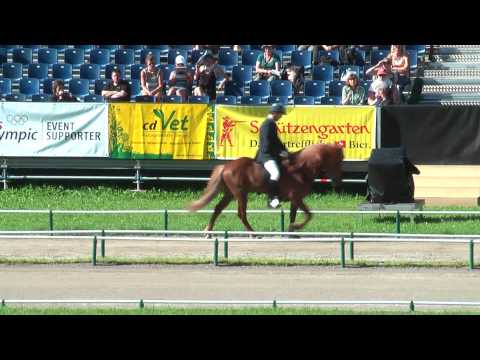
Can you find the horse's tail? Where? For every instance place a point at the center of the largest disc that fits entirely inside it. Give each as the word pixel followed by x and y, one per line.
pixel 214 186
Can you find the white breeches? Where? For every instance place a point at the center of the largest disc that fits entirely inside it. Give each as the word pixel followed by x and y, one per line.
pixel 272 167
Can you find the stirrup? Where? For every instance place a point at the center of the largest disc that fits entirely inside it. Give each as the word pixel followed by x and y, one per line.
pixel 274 203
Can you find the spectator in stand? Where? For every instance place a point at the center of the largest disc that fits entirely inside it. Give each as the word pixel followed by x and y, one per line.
pixel 116 89
pixel 296 75
pixel 151 79
pixel 384 64
pixel 207 71
pixel 314 49
pixel 400 67
pixel 180 80
pixel 352 92
pixel 268 65
pixel 381 90
pixel 59 93
pixel 210 49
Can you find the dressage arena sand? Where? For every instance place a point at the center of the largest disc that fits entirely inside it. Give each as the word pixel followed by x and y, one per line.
pixel 207 282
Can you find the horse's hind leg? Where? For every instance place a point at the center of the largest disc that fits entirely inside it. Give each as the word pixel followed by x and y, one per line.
pixel 308 216
pixel 293 216
pixel 227 197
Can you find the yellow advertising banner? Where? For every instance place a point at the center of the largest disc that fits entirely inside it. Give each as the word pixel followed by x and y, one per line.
pixel 237 129
pixel 160 131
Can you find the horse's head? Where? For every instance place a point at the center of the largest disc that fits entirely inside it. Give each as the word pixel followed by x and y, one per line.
pixel 321 158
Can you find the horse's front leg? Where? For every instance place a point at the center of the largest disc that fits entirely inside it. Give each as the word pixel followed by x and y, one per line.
pixel 308 217
pixel 293 214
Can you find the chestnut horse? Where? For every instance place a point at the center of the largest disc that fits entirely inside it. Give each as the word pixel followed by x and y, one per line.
pixel 239 177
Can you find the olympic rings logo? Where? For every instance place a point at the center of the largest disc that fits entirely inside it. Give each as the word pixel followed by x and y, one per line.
pixel 17 119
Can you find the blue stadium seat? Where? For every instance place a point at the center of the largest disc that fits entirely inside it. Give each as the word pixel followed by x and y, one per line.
pixel 249 57
pixel 86 48
pixel 144 98
pixel 75 57
pixel 260 88
pixel 302 58
pixel 420 48
pixel 135 88
pixel 41 98
pixel 173 53
pixel 15 97
pixel 233 89
pixel 304 100
pixel 366 85
pixel 109 47
pixel 245 47
pixel 183 47
pixel 135 70
pixel 99 85
pixel 124 57
pixel 100 56
pixel 331 100
pixel 198 99
pixel 251 100
pixel 359 57
pixel 47 86
pixel 378 55
pixel 242 74
pixel 226 100
pixel 59 48
pixel 286 49
pixel 163 48
pixel 228 58
pixel 134 47
pixel 79 87
pixel 10 47
pixel 94 98
pixel 3 55
pixel 335 88
pixel 172 99
pixel 109 68
pixel 281 88
pixel 156 53
pixel 5 86
pixel 33 47
pixel 47 56
pixel 412 59
pixel 256 47
pixel 278 99
pixel 90 71
pixel 315 89
pixel 332 54
pixel 323 72
pixel 29 86
pixel 12 71
pixel 38 71
pixel 62 71
pixel 22 55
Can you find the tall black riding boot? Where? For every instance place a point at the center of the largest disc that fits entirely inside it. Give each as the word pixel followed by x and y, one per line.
pixel 273 193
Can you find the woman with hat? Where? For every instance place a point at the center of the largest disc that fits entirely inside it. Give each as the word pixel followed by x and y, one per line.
pixel 268 65
pixel 352 92
pixel 180 80
pixel 270 151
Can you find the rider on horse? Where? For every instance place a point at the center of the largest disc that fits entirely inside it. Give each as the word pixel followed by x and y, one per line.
pixel 270 151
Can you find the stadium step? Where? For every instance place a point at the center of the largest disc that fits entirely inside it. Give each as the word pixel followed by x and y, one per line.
pixel 437 186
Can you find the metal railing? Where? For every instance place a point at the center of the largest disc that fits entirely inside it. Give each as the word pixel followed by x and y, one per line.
pixel 274 303
pixel 280 212
pixel 282 237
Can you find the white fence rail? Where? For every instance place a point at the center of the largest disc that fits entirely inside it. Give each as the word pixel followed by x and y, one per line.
pixel 275 303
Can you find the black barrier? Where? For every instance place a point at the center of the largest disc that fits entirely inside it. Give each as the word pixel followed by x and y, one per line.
pixel 433 135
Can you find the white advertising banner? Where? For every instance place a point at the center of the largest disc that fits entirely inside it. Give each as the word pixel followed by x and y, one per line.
pixel 53 129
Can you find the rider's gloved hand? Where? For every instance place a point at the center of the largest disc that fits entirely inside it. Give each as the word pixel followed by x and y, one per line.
pixel 284 154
